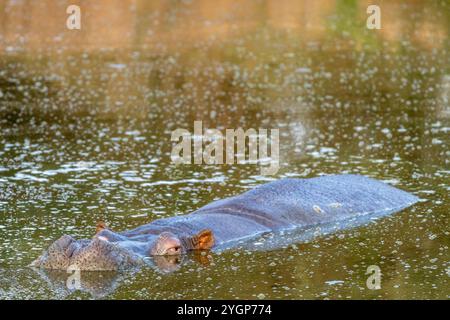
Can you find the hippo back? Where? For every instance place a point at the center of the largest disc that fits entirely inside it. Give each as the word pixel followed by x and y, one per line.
pixel 285 204
pixel 300 202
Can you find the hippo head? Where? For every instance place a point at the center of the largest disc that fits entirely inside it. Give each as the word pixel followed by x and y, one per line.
pixel 111 251
pixel 95 254
pixel 168 244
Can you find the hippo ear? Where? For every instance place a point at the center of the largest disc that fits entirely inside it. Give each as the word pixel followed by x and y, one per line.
pixel 100 226
pixel 204 240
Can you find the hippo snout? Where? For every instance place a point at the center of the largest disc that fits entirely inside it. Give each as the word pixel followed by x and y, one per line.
pixel 95 255
pixel 57 254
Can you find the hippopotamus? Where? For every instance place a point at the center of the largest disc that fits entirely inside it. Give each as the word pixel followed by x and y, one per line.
pixel 273 207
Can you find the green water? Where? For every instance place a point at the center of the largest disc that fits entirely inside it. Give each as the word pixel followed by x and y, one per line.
pixel 85 136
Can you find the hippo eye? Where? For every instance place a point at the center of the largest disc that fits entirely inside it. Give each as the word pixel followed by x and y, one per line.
pixel 174 250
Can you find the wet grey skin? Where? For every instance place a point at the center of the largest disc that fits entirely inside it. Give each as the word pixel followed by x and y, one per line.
pixel 272 207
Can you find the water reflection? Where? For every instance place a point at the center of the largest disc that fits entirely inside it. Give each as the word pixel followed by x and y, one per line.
pixel 161 25
pixel 95 284
pixel 101 284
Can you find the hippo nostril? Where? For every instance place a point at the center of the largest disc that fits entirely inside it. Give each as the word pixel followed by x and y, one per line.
pixel 64 242
pixel 71 249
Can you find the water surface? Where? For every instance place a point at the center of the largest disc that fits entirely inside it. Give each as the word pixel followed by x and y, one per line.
pixel 85 123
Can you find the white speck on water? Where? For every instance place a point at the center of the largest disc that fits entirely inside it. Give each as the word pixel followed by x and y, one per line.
pixel 392 181
pixel 303 70
pixel 334 282
pixel 427 191
pixel 23 176
pixel 117 66
pixel 133 133
pixel 327 150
